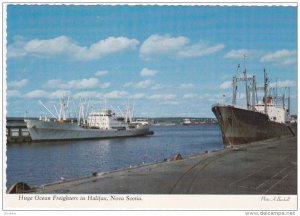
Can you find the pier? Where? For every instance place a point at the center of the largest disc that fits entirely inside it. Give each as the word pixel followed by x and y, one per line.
pixel 16 131
pixel 264 167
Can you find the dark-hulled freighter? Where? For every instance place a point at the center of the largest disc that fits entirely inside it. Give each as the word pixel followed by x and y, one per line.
pixel 258 120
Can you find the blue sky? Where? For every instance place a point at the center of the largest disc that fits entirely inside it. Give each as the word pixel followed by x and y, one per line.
pixel 166 60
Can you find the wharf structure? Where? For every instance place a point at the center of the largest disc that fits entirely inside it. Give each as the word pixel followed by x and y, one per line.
pixel 262 168
pixel 16 131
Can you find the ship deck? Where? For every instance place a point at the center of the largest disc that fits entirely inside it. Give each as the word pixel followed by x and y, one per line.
pixel 265 167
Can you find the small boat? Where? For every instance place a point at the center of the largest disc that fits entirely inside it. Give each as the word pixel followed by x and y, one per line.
pixel 187 122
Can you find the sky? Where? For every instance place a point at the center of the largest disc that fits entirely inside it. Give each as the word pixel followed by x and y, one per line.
pixel 166 61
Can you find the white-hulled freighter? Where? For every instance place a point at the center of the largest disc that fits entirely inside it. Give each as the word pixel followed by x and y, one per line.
pixel 101 124
pixel 266 119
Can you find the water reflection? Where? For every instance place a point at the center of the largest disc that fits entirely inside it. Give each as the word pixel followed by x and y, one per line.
pixel 45 162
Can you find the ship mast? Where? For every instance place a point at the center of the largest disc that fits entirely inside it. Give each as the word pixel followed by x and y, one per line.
pixel 80 119
pixel 246 86
pixel 254 94
pixel 251 88
pixel 234 86
pixel 62 112
pixel 289 100
pixel 265 90
pixel 246 82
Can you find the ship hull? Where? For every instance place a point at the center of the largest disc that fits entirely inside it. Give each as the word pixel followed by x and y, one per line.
pixel 240 126
pixel 51 131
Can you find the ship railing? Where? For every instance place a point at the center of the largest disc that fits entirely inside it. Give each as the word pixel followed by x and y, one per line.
pixel 229 105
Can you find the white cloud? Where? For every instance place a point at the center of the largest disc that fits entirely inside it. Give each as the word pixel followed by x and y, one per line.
pixel 148 72
pixel 84 83
pixel 162 97
pixel 239 53
pixel 285 57
pixel 56 46
pixel 189 96
pixel 169 103
pixel 65 46
pixel 104 85
pixel 226 85
pixel 139 85
pixel 13 93
pixel 44 94
pixel 211 97
pixel 137 96
pixel 84 94
pixel 187 85
pixel 144 84
pixel 159 86
pixel 101 73
pixel 290 61
pixel 116 94
pixel 54 83
pixel 158 45
pixel 88 94
pixel 282 84
pixel 206 96
pixel 199 50
pixel 18 83
pixel 16 49
pixel 76 84
pixel 106 47
pixel 58 94
pixel 37 94
pixel 129 84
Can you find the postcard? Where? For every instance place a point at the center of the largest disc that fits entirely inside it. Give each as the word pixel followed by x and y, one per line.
pixel 150 106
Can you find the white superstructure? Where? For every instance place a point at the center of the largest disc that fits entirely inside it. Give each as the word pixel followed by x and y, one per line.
pixel 105 120
pixel 276 113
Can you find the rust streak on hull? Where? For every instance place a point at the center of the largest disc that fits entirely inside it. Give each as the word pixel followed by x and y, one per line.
pixel 241 126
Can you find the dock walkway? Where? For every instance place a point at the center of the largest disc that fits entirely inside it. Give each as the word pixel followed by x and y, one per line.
pixel 266 167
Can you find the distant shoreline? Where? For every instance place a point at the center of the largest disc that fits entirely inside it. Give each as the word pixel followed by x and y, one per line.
pixel 155 120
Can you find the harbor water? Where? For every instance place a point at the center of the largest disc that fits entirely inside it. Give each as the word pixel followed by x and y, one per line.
pixel 46 162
